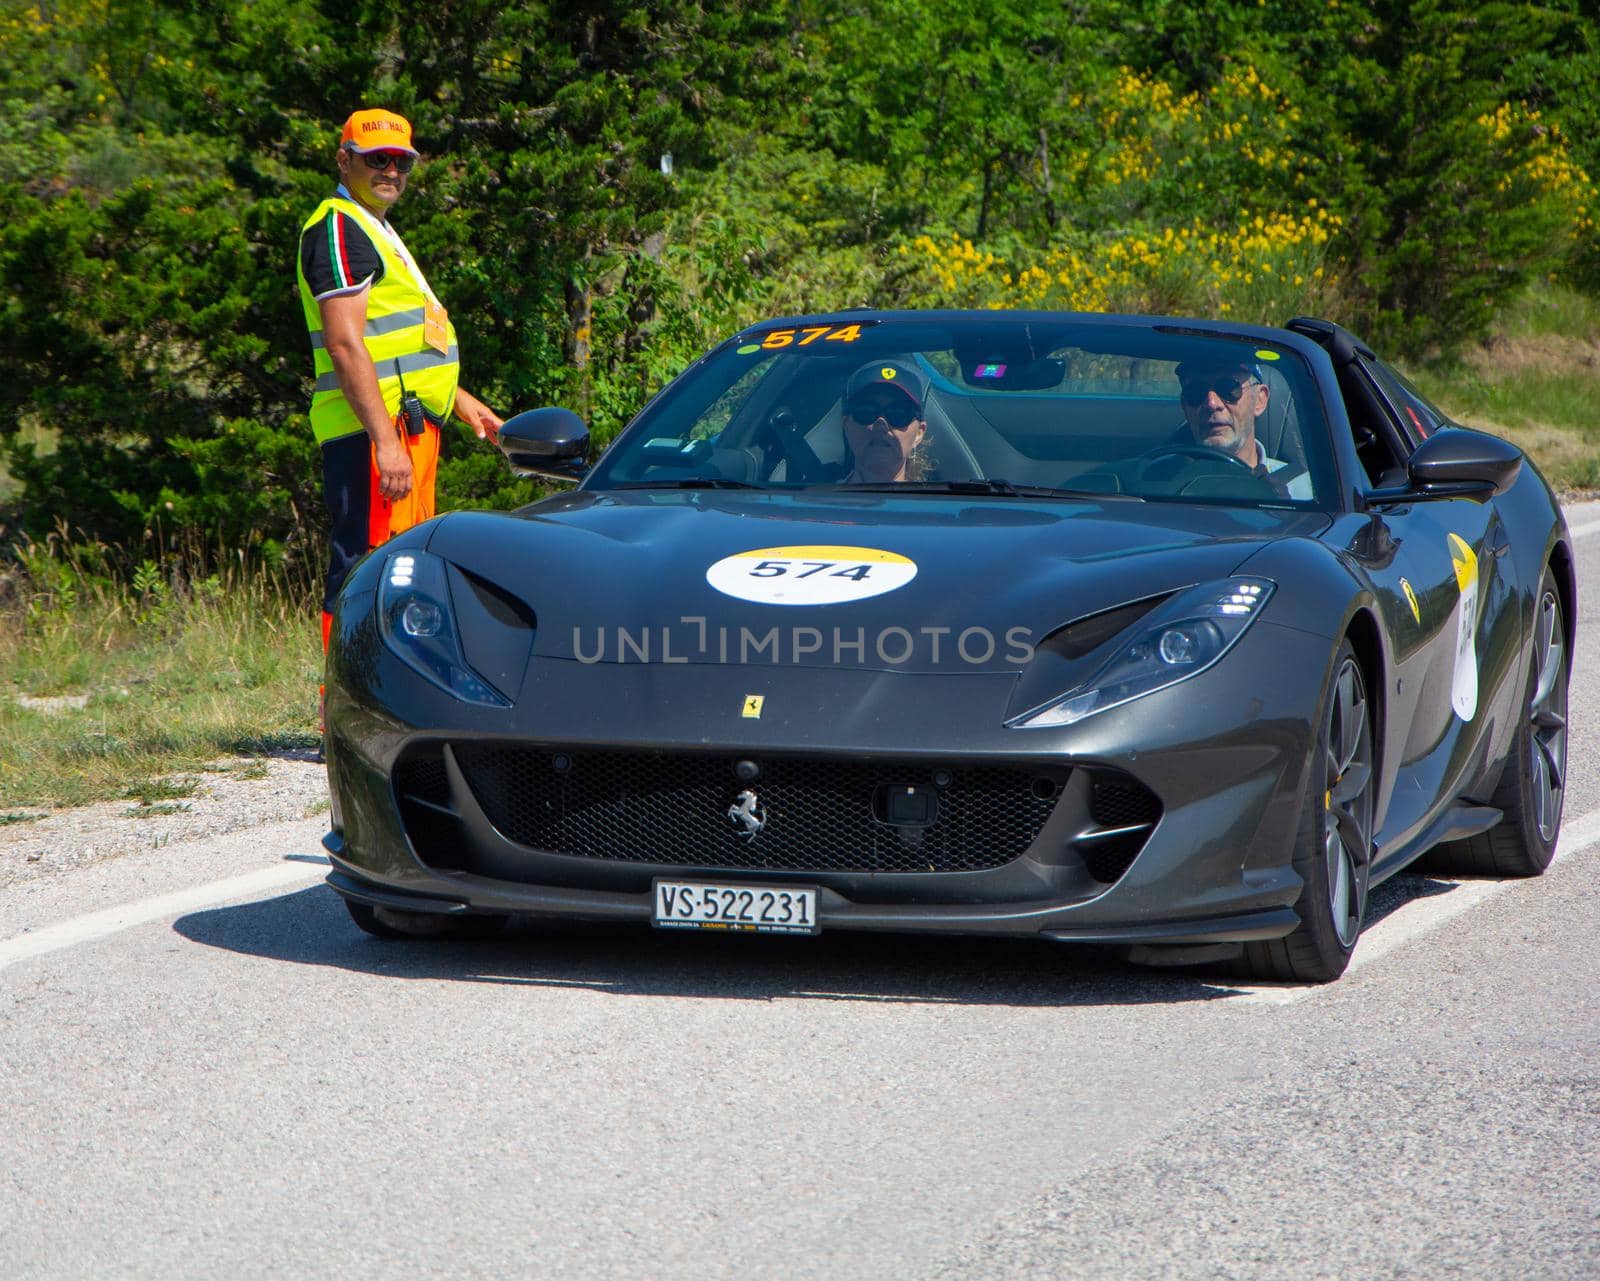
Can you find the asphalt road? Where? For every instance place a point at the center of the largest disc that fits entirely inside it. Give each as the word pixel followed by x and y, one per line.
pixel 205 1070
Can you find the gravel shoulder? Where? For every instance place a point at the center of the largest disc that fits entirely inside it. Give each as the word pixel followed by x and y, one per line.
pixel 239 794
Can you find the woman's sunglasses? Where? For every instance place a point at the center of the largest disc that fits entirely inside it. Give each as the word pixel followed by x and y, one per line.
pixel 381 160
pixel 898 413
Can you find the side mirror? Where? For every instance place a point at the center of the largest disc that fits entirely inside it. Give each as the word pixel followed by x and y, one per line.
pixel 546 442
pixel 1460 456
pixel 1456 463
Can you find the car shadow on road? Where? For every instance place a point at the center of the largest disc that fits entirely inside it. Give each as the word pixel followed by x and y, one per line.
pixel 1397 891
pixel 311 927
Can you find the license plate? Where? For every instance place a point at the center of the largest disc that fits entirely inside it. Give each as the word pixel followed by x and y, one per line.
pixel 744 909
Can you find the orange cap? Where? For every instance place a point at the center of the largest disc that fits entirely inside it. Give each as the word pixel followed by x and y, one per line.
pixel 377 130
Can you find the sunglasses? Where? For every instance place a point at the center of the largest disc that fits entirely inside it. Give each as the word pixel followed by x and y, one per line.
pixel 898 413
pixel 1230 389
pixel 381 160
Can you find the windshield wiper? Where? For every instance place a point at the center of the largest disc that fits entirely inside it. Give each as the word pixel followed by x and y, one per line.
pixel 1002 487
pixel 996 486
pixel 984 485
pixel 688 482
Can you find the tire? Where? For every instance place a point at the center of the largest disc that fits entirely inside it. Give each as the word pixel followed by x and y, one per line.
pixel 1333 849
pixel 1532 787
pixel 390 923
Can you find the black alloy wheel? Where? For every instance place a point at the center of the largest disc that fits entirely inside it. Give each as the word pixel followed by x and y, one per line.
pixel 1333 852
pixel 1533 787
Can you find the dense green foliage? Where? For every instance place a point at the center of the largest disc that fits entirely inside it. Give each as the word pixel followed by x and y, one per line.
pixel 1406 168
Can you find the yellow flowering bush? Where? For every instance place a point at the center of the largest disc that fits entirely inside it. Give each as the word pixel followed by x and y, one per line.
pixel 1146 145
pixel 1151 166
pixel 1539 165
pixel 1264 267
pixel 1200 203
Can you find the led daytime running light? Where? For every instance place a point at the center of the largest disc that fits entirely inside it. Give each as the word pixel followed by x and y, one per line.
pixel 1180 639
pixel 418 625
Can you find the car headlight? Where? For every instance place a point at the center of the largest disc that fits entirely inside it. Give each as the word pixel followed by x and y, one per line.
pixel 1179 639
pixel 418 624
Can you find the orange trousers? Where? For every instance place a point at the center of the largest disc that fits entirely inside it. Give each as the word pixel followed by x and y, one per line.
pixel 362 517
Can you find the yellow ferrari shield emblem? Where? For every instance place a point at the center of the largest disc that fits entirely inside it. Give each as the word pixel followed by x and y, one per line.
pixel 752 706
pixel 1411 599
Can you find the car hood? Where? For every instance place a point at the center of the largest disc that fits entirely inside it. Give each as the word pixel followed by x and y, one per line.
pixel 623 577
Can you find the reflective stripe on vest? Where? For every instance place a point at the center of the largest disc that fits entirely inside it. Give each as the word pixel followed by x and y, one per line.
pixel 400 368
pixel 393 335
pixel 380 325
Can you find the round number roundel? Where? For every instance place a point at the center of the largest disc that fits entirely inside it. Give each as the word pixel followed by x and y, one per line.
pixel 810 575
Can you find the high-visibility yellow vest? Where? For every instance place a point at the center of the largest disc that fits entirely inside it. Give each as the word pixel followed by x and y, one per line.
pixel 393 336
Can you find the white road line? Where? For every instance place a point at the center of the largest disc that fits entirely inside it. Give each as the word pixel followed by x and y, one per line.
pixel 1588 527
pixel 97 925
pixel 1422 916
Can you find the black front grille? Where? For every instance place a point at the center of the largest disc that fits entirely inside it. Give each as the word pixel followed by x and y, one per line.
pixel 818 815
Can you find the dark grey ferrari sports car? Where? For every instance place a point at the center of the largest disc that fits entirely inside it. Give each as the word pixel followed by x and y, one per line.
pixel 1168 634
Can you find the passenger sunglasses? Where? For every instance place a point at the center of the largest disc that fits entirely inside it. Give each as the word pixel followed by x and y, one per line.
pixel 899 414
pixel 1230 389
pixel 381 160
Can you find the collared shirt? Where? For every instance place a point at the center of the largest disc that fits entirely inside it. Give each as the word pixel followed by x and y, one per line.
pixel 1298 486
pixel 337 254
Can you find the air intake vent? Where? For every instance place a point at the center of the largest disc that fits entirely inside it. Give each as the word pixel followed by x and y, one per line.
pixel 1123 812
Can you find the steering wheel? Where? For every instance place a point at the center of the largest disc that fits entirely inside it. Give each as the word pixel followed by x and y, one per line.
pixel 1183 449
pixel 1116 477
pixel 1222 465
pixel 803 465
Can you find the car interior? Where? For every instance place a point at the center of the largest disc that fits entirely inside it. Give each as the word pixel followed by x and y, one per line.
pixel 789 430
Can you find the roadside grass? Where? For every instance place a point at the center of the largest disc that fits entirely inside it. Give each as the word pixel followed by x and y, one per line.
pixel 127 684
pixel 1536 381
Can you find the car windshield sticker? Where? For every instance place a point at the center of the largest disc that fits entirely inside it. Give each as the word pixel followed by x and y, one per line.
pixel 1464 688
pixel 989 370
pixel 1265 354
pixel 810 575
pixel 749 349
pixel 1411 599
pixel 805 335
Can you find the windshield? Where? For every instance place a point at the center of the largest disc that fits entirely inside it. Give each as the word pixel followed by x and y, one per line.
pixel 979 404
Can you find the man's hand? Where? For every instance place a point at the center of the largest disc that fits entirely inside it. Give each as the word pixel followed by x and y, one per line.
pixel 394 467
pixel 478 416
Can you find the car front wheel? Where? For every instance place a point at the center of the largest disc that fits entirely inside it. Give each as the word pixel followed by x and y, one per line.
pixel 1333 852
pixel 390 923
